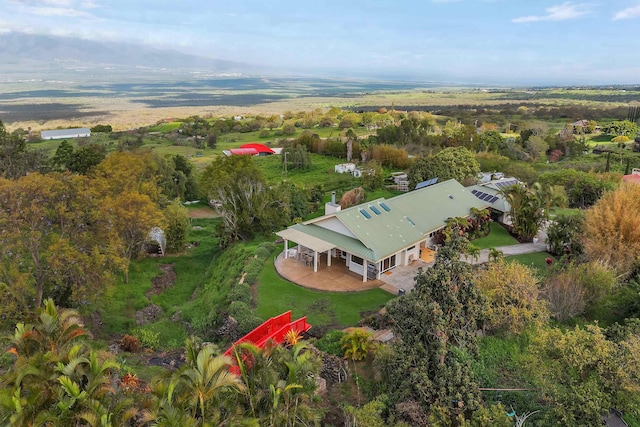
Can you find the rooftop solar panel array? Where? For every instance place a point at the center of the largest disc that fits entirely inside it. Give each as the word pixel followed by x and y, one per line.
pixel 485 197
pixel 427 183
pixel 508 183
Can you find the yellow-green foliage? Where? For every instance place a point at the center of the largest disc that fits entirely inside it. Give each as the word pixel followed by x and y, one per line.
pixel 612 228
pixel 582 374
pixel 357 344
pixel 387 155
pixel 620 138
pixel 513 296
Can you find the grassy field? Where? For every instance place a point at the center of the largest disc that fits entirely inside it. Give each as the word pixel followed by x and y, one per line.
pixel 498 236
pixel 536 260
pixel 323 309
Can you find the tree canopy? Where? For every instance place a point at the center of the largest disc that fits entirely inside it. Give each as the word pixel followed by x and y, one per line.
pixel 451 163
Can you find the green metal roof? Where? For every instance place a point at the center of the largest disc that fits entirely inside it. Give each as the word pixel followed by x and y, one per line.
pixel 340 241
pixel 384 227
pixel 501 204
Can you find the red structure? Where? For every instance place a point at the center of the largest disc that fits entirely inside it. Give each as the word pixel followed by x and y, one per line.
pixel 274 329
pixel 241 151
pixel 261 149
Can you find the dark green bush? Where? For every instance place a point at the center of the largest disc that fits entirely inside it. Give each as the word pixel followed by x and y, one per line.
pixel 244 316
pixel 330 343
pixel 252 269
pixel 262 253
pixel 240 292
pixel 268 246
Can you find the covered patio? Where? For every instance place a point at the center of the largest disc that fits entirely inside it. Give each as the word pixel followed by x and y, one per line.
pixel 338 278
pixel 335 277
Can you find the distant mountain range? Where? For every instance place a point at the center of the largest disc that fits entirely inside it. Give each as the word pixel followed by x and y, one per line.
pixel 21 52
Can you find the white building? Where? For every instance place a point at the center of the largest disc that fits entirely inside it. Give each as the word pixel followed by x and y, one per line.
pixel 65 133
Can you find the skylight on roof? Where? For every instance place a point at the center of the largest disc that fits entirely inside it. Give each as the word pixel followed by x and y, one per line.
pixel 365 214
pixel 385 207
pixel 410 221
pixel 375 210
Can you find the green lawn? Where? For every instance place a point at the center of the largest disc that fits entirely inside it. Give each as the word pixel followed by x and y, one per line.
pixel 339 309
pixel 537 260
pixel 564 211
pixel 322 171
pixel 498 236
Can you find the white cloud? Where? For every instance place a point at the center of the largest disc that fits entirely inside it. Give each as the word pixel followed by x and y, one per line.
pixel 628 13
pixel 560 12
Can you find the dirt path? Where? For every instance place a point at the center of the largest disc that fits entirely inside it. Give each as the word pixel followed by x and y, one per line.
pixel 203 213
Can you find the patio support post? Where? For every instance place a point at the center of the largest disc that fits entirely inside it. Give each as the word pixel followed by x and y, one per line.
pixel 286 248
pixel 365 271
pixel 315 261
pixel 329 258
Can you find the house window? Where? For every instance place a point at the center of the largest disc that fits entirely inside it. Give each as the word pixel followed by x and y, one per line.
pixel 388 263
pixel 357 260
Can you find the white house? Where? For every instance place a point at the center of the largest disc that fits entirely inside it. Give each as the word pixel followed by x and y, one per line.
pixel 65 133
pixel 376 236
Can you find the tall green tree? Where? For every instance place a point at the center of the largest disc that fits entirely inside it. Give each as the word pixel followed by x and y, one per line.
pixel 61 159
pixel 451 163
pixel 16 159
pixel 83 159
pixel 176 226
pixel 436 324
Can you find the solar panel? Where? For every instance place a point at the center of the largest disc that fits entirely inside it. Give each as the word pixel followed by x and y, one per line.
pixel 474 191
pixel 486 197
pixel 493 199
pixel 375 210
pixel 426 183
pixel 509 183
pixel 480 194
pixel 365 214
pixel 385 207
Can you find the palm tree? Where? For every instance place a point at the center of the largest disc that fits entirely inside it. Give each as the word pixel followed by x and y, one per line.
pixel 495 254
pixel 530 206
pixel 205 381
pixel 479 221
pixel 473 252
pixel 280 383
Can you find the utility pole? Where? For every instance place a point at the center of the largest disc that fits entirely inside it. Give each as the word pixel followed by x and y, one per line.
pixel 286 173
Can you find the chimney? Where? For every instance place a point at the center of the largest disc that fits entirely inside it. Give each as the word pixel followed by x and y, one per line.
pixel 331 207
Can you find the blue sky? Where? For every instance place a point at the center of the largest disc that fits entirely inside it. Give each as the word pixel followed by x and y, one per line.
pixel 484 41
